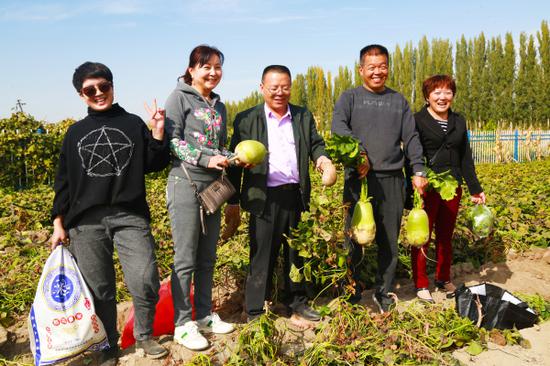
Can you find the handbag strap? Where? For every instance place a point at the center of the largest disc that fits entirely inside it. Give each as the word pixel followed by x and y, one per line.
pixel 196 190
pixel 432 160
pixel 191 181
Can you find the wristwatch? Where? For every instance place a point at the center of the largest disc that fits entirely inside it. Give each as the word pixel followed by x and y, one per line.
pixel 420 174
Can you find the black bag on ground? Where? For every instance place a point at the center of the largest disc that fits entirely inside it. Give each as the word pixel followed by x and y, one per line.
pixel 500 309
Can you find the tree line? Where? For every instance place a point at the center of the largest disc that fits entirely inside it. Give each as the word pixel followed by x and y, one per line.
pixel 497 85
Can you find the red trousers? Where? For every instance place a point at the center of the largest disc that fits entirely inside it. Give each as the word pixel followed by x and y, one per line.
pixel 442 215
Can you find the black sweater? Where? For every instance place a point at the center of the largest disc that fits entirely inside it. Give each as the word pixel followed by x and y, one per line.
pixel 103 161
pixel 455 153
pixel 384 125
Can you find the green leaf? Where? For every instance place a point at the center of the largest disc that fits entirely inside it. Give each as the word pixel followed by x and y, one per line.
pixel 344 150
pixel 444 184
pixel 304 253
pixel 307 271
pixel 295 275
pixel 474 348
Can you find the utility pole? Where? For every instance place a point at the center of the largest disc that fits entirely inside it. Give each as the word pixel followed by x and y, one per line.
pixel 18 106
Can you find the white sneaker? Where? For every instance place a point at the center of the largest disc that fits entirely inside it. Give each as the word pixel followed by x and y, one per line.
pixel 213 323
pixel 188 335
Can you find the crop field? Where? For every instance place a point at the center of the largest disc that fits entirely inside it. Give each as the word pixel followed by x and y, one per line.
pixel 519 195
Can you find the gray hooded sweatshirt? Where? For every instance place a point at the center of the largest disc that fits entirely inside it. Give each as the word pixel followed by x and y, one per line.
pixel 197 130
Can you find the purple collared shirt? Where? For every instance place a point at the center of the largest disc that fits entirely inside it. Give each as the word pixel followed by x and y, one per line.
pixel 283 163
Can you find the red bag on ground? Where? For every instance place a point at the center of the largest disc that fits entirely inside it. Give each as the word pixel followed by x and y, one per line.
pixel 164 316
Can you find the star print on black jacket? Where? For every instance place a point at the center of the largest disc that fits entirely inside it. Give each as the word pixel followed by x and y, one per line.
pixel 105 151
pixel 103 161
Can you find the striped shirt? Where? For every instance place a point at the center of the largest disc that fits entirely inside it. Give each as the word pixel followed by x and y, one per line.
pixel 443 125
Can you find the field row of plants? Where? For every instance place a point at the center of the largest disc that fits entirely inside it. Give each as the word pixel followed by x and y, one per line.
pixel 414 335
pixel 517 193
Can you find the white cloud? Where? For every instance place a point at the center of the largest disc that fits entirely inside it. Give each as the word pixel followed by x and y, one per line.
pixel 207 6
pixel 122 7
pixel 58 11
pixel 37 12
pixel 274 19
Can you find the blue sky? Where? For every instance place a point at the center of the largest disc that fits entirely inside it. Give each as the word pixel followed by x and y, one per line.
pixel 146 43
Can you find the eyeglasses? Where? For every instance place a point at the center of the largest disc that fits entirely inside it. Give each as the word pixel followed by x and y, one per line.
pixel 91 91
pixel 275 90
pixel 442 93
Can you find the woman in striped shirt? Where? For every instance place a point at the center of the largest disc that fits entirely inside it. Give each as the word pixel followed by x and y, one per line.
pixel 443 134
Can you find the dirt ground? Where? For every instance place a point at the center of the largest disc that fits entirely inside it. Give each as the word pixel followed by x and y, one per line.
pixel 527 273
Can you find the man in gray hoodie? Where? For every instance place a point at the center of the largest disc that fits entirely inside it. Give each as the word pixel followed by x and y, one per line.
pixel 382 120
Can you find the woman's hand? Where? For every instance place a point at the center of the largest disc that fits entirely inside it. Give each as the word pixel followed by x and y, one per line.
pixel 240 164
pixel 218 162
pixel 156 120
pixel 478 199
pixel 59 236
pixel 364 167
pixel 420 184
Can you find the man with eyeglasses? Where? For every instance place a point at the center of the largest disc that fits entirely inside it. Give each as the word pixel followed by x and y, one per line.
pixel 100 204
pixel 382 120
pixel 276 191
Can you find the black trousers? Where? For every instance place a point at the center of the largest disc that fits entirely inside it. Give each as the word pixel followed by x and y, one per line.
pixel 283 209
pixel 388 198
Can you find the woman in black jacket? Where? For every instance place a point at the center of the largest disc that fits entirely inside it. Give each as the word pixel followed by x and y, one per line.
pixel 444 138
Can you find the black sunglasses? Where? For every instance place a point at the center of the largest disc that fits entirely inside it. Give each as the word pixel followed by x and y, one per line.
pixel 91 91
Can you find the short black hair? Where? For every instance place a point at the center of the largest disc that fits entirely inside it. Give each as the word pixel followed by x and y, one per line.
pixel 90 70
pixel 373 49
pixel 276 68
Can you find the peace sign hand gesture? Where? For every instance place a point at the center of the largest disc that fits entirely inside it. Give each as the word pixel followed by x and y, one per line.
pixel 156 120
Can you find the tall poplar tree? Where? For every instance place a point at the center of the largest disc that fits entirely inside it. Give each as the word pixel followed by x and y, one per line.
pixel 316 94
pixel 478 87
pixel 543 37
pixel 342 82
pixel 311 75
pixel 442 57
pixel 328 103
pixel 357 79
pixel 394 80
pixel 494 77
pixel 235 107
pixel 298 91
pixel 527 82
pixel 407 72
pixel 422 71
pixel 508 79
pixel 462 101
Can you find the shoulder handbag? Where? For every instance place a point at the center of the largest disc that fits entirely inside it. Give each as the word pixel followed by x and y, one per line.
pixel 212 197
